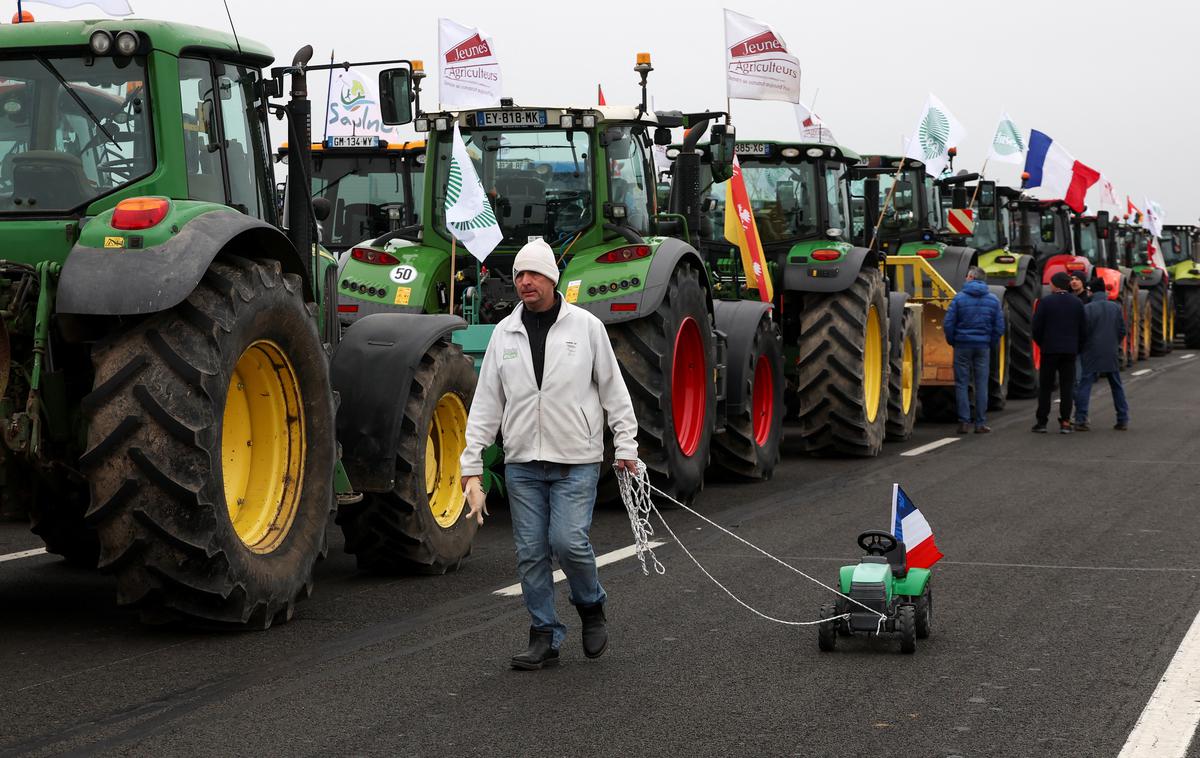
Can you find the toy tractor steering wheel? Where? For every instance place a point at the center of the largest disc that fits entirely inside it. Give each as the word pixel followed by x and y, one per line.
pixel 876 542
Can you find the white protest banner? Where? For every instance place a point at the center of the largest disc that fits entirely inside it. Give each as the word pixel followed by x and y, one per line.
pixel 757 63
pixel 470 73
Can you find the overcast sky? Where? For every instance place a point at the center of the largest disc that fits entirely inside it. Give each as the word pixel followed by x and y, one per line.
pixel 1114 82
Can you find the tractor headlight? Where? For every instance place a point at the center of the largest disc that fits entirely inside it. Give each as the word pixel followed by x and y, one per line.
pixel 127 43
pixel 101 42
pixel 421 124
pixel 566 121
pixel 588 121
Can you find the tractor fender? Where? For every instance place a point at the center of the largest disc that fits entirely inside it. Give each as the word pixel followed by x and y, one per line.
pixel 953 264
pixel 101 282
pixel 738 320
pixel 670 253
pixel 372 370
pixel 1143 296
pixel 998 290
pixel 1152 279
pixel 896 302
pixel 808 277
pixel 1024 262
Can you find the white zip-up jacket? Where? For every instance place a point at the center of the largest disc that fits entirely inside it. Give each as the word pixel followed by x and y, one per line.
pixel 563 421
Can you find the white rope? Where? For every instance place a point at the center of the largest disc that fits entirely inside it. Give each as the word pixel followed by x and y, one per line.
pixel 636 491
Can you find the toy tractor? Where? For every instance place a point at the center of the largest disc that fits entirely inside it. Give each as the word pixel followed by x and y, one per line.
pixel 884 584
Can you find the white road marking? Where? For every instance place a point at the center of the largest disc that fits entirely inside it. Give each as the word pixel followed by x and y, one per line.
pixel 514 590
pixel 22 554
pixel 1142 372
pixel 931 446
pixel 1186 357
pixel 1168 722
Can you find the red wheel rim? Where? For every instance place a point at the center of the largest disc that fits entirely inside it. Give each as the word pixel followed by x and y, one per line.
pixel 764 400
pixel 689 386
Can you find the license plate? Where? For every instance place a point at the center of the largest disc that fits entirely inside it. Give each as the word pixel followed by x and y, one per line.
pixel 760 149
pixel 355 140
pixel 484 119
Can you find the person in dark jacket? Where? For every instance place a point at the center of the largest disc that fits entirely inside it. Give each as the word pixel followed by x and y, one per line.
pixel 1079 287
pixel 974 324
pixel 1105 330
pixel 1059 330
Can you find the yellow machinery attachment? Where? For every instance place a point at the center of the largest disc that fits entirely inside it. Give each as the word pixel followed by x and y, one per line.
pixel 926 287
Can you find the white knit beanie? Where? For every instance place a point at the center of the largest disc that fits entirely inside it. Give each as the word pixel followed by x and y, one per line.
pixel 538 257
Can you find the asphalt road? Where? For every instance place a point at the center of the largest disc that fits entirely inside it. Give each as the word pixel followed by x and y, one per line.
pixel 1070 579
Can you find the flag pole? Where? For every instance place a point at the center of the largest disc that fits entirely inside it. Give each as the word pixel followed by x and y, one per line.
pixel 453 257
pixel 887 202
pixel 20 14
pixel 328 95
pixel 975 194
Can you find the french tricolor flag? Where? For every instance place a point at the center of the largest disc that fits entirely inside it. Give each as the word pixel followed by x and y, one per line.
pixel 1052 168
pixel 911 528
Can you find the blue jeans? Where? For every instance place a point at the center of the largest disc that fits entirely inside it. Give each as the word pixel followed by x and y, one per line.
pixel 1083 396
pixel 970 361
pixel 551 506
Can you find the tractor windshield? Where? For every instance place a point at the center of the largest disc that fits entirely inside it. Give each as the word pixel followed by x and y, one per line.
pixel 539 181
pixel 784 197
pixel 369 195
pixel 71 130
pixel 1171 249
pixel 990 225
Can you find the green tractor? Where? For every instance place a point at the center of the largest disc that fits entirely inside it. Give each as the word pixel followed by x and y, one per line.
pixel 168 401
pixel 912 223
pixel 1181 253
pixel 852 347
pixel 1013 270
pixel 1154 284
pixel 705 374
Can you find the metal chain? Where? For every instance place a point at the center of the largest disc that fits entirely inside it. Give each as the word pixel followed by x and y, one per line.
pixel 636 491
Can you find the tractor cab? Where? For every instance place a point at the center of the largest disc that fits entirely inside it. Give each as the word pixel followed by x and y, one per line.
pixel 914 213
pixel 1093 235
pixel 1044 229
pixel 1177 243
pixel 372 188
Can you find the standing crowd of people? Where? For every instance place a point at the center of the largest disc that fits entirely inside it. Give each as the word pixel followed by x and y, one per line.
pixel 1078 332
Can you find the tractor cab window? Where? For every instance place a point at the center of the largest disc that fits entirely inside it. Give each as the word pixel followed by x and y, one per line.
pixel 1089 244
pixel 368 194
pixel 836 200
pixel 933 204
pixel 539 181
pixel 224 138
pixel 784 197
pixel 1047 226
pixel 71 131
pixel 1171 249
pixel 627 183
pixel 900 215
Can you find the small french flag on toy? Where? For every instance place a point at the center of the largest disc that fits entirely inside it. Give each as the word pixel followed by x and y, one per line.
pixel 911 528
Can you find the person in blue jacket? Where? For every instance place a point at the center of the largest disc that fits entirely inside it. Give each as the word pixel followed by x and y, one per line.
pixel 974 325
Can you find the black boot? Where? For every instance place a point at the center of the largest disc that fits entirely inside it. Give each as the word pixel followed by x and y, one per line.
pixel 540 653
pixel 595 629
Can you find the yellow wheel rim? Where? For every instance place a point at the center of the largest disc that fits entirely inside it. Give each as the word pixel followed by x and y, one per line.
pixel 1166 319
pixel 872 364
pixel 443 446
pixel 262 446
pixel 906 376
pixel 1147 329
pixel 1002 361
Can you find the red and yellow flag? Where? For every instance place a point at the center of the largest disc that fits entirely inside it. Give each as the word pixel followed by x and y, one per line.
pixel 741 230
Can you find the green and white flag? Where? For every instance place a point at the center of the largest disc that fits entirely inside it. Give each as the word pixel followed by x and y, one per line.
pixel 935 133
pixel 469 215
pixel 1008 146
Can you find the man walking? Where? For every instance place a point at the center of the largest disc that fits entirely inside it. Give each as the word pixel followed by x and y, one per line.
pixel 974 324
pixel 548 378
pixel 1059 330
pixel 1105 330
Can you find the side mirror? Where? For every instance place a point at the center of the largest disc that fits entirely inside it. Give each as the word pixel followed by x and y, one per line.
pixel 321 208
pixel 720 148
pixel 662 136
pixel 225 87
pixel 395 96
pixel 902 198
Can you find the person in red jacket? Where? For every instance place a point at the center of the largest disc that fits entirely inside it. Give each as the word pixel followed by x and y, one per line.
pixel 1060 330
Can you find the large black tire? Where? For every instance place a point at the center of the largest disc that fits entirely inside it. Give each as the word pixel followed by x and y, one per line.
pixel 1000 370
pixel 1189 315
pixel 1160 321
pixel 163 396
pixel 904 379
pixel 906 625
pixel 749 446
pixel 835 412
pixel 414 529
pixel 1022 371
pixel 645 348
pixel 56 514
